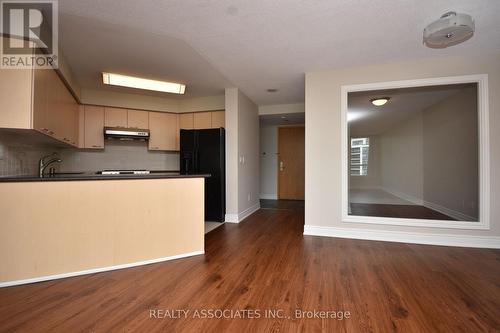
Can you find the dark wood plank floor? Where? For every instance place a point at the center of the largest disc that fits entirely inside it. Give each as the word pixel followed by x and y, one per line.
pixel 399 211
pixel 266 263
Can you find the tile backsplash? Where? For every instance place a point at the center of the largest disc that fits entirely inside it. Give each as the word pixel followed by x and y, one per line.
pixel 119 155
pixel 18 158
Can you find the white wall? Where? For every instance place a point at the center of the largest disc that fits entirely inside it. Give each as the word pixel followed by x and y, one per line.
pixel 269 162
pixel 209 103
pixel 323 140
pixel 281 108
pixel 248 150
pixel 402 159
pixel 242 155
pixel 450 141
pixel 153 103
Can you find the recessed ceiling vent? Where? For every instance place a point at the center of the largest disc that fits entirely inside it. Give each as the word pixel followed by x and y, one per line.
pixel 451 29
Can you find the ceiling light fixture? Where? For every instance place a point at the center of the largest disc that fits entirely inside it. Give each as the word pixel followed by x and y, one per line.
pixel 146 84
pixel 452 28
pixel 379 101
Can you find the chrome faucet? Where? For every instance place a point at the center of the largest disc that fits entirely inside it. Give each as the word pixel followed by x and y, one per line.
pixel 42 164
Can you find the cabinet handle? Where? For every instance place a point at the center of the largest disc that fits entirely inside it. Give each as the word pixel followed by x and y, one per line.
pixel 96 146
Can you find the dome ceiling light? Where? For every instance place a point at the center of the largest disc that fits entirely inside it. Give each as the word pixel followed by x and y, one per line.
pixel 451 29
pixel 379 101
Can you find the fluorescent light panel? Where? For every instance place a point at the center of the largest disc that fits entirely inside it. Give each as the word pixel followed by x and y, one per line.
pixel 138 83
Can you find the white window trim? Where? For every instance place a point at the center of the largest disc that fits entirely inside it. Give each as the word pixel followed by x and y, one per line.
pixel 484 153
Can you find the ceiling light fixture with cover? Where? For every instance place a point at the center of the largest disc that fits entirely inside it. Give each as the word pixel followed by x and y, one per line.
pixel 451 29
pixel 379 101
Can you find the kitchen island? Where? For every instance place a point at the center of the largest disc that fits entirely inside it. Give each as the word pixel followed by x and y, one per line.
pixel 73 224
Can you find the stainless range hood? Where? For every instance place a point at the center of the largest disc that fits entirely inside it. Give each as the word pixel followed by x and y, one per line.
pixel 121 133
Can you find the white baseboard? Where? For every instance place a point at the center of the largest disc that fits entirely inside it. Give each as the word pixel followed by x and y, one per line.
pixel 237 218
pixel 405 237
pixel 98 270
pixel 404 196
pixel 231 218
pixel 450 212
pixel 365 188
pixel 269 196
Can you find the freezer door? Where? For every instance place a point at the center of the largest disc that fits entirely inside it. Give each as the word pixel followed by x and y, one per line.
pixel 187 158
pixel 210 158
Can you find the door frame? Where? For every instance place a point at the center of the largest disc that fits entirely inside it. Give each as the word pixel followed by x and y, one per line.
pixel 278 159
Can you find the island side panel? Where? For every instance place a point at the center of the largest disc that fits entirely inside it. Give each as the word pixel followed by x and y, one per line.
pixel 50 228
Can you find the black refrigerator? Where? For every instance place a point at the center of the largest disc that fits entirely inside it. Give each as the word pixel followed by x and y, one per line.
pixel 204 152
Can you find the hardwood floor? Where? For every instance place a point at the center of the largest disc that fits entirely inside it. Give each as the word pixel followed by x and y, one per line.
pixel 400 211
pixel 266 263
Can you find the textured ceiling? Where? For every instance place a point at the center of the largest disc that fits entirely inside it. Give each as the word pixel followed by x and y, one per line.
pixel 264 44
pixel 282 119
pixel 92 46
pixel 367 119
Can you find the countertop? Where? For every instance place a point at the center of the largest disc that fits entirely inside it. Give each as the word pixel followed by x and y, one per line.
pixel 80 176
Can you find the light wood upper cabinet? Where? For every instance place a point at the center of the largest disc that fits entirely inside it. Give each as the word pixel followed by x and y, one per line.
pixel 65 120
pixel 218 119
pixel 138 119
pixel 164 131
pixel 115 117
pixel 38 100
pixel 93 127
pixel 186 121
pixel 202 120
pixel 16 98
pixel 81 126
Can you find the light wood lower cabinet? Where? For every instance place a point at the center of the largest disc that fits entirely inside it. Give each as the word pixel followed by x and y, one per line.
pixel 164 131
pixel 93 127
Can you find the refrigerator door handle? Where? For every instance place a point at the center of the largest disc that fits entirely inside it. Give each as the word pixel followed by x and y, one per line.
pixel 196 167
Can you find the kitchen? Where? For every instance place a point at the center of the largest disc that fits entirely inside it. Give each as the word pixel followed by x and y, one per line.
pixel 89 172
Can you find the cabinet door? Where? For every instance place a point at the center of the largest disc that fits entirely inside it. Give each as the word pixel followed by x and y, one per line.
pixel 40 91
pixel 218 119
pixel 115 117
pixel 54 106
pixel 202 120
pixel 94 125
pixel 186 121
pixel 163 128
pixel 138 119
pixel 81 126
pixel 68 123
pixel 15 97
